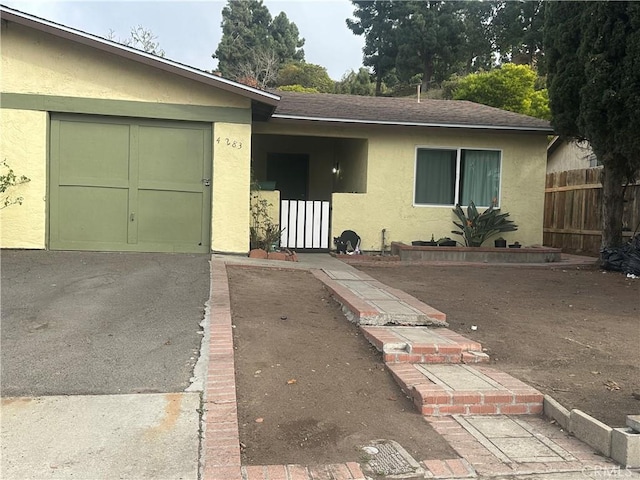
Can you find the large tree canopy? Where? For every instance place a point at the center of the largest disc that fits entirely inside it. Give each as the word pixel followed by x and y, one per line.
pixel 430 37
pixel 253 45
pixel 518 30
pixel 593 58
pixel 423 39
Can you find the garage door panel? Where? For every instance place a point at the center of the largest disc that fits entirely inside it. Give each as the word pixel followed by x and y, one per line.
pixel 93 154
pixel 170 155
pixel 125 184
pixel 90 214
pixel 169 217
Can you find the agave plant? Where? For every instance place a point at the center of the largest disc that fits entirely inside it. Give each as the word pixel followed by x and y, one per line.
pixel 477 227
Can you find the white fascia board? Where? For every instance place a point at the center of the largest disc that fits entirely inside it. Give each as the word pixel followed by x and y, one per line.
pixel 410 124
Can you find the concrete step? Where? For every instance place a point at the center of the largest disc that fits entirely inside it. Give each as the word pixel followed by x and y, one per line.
pixel 423 345
pixel 366 301
pixel 439 390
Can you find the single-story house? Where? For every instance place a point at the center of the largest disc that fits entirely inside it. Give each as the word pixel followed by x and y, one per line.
pixel 127 151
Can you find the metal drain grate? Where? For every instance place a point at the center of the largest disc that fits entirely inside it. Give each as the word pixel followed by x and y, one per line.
pixel 386 457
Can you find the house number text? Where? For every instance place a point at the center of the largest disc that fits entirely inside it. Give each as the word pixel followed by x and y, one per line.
pixel 229 142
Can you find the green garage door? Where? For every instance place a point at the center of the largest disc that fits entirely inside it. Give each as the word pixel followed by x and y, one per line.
pixel 129 185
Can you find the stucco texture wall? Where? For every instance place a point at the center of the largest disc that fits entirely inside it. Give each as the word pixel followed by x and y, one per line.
pixel 41 64
pixel 231 188
pixel 36 62
pixel 388 201
pixel 24 148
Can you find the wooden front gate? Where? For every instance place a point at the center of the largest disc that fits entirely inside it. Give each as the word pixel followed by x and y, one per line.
pixel 305 224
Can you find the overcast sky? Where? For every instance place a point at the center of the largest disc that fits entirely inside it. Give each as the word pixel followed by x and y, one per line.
pixel 189 31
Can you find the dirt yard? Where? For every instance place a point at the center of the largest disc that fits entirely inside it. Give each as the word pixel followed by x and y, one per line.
pixel 310 387
pixel 312 390
pixel 573 333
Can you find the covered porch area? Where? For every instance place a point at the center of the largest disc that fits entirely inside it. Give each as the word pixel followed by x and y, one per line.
pixel 299 176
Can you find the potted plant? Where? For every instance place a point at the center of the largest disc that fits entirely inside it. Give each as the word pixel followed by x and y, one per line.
pixel 515 245
pixel 422 243
pixel 446 242
pixel 500 243
pixel 476 227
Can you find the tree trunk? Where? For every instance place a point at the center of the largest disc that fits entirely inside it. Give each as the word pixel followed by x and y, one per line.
pixel 378 82
pixel 612 207
pixel 427 73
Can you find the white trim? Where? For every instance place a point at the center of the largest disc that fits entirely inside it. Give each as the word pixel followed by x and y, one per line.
pixel 280 116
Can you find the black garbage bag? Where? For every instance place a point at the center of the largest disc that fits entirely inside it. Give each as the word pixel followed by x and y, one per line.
pixel 625 258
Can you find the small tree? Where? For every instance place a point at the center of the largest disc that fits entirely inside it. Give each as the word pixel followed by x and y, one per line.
pixel 9 179
pixel 511 87
pixel 263 231
pixel 140 38
pixel 308 75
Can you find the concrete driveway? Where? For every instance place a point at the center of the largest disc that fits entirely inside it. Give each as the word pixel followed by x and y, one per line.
pixel 97 351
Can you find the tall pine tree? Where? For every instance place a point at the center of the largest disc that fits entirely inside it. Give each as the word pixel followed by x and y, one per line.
pixel 253 45
pixel 374 20
pixel 593 59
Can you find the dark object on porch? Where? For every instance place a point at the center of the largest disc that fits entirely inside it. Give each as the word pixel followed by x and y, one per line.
pixel 447 242
pixel 500 243
pixel 347 242
pixel 624 259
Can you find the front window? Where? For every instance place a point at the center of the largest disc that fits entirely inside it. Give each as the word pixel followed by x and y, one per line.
pixel 457 176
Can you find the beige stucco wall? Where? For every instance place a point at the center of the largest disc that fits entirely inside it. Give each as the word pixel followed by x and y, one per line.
pixel 388 201
pixel 35 62
pixel 231 188
pixel 41 64
pixel 23 145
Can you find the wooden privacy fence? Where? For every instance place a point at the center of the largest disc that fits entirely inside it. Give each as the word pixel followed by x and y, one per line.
pixel 573 213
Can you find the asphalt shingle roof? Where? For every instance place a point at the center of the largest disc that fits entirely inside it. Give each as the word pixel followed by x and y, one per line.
pixel 402 111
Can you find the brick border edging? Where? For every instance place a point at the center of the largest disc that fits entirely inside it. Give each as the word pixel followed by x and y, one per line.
pixel 220 457
pixel 220 452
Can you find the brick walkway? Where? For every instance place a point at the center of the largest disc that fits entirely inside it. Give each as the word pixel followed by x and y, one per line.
pixel 429 364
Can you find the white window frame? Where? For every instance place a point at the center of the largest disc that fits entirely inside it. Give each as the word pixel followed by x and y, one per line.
pixel 456 193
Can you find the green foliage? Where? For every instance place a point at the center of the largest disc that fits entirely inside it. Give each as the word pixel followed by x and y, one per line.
pixel 287 43
pixel 264 233
pixel 8 180
pixel 593 79
pixel 353 83
pixel 511 87
pixel 432 38
pixel 297 88
pixel 518 29
pixel 307 75
pixel 429 35
pixel 253 45
pixel 375 20
pixel 477 227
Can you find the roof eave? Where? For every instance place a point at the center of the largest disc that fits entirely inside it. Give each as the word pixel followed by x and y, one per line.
pixel 283 117
pixel 140 56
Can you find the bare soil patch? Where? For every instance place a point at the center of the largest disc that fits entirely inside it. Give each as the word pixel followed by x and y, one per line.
pixel 310 388
pixel 573 333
